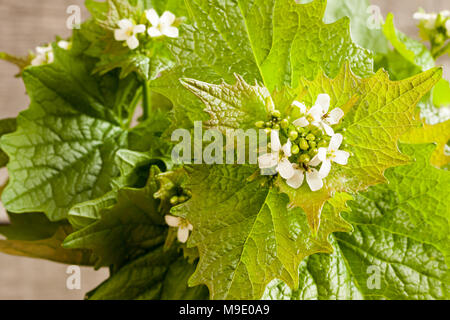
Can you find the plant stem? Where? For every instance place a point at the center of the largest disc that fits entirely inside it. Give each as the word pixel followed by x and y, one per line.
pixel 146 101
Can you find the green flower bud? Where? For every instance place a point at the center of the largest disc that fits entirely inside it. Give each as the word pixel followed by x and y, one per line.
pixel 295 149
pixel 293 135
pixel 174 200
pixel 259 124
pixel 305 158
pixel 269 124
pixel 188 193
pixel 284 123
pixel 182 199
pixel 268 130
pixel 304 144
pixel 276 114
pixel 313 152
pixel 322 144
pixel 310 137
pixel 312 144
pixel 276 126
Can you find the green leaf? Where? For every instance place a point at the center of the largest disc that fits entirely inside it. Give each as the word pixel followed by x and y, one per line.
pixel 245 234
pixel 33 235
pixel 441 93
pixel 414 203
pixel 134 171
pixel 29 227
pixel 263 41
pixel 412 50
pixel 63 150
pixel 125 230
pixel 231 107
pixel 438 133
pixel 6 126
pixel 400 232
pixel 363 23
pixel 157 275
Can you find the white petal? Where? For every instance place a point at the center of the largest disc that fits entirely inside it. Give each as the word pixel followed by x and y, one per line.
pixel 167 18
pixel 287 148
pixel 314 181
pixel 419 16
pixel 322 155
pixel 120 35
pixel 285 169
pixel 341 157
pixel 183 234
pixel 447 26
pixel 132 42
pixel 38 60
pixel 43 50
pixel 140 28
pixel 190 227
pixel 275 143
pixel 172 221
pixel 50 57
pixel 63 44
pixel 171 32
pixel 335 115
pixel 296 180
pixel 316 161
pixel 316 113
pixel 154 32
pixel 325 169
pixel 300 105
pixel 125 24
pixel 445 13
pixel 335 142
pixel 152 17
pixel 268 160
pixel 328 130
pixel 323 100
pixel 301 122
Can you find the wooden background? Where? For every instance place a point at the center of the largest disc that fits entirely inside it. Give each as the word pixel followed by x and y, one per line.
pixel 27 24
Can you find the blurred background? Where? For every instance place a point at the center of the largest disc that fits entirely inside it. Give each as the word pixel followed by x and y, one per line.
pixel 27 24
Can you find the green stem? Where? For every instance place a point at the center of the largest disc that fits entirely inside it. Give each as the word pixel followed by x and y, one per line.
pixel 441 50
pixel 146 101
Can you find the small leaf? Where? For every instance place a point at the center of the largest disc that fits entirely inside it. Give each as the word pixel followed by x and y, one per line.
pixel 33 235
pixel 438 133
pixel 125 230
pixel 157 275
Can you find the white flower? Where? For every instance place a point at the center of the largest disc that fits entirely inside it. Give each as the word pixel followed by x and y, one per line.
pixel 319 116
pixel 313 178
pixel 128 31
pixel 63 44
pixel 429 18
pixel 277 159
pixel 43 55
pixel 330 154
pixel 183 227
pixel 445 13
pixel 161 26
pixel 447 26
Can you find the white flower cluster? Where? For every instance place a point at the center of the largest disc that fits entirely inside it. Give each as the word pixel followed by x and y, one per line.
pixel 160 26
pixel 45 54
pixel 294 172
pixel 430 19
